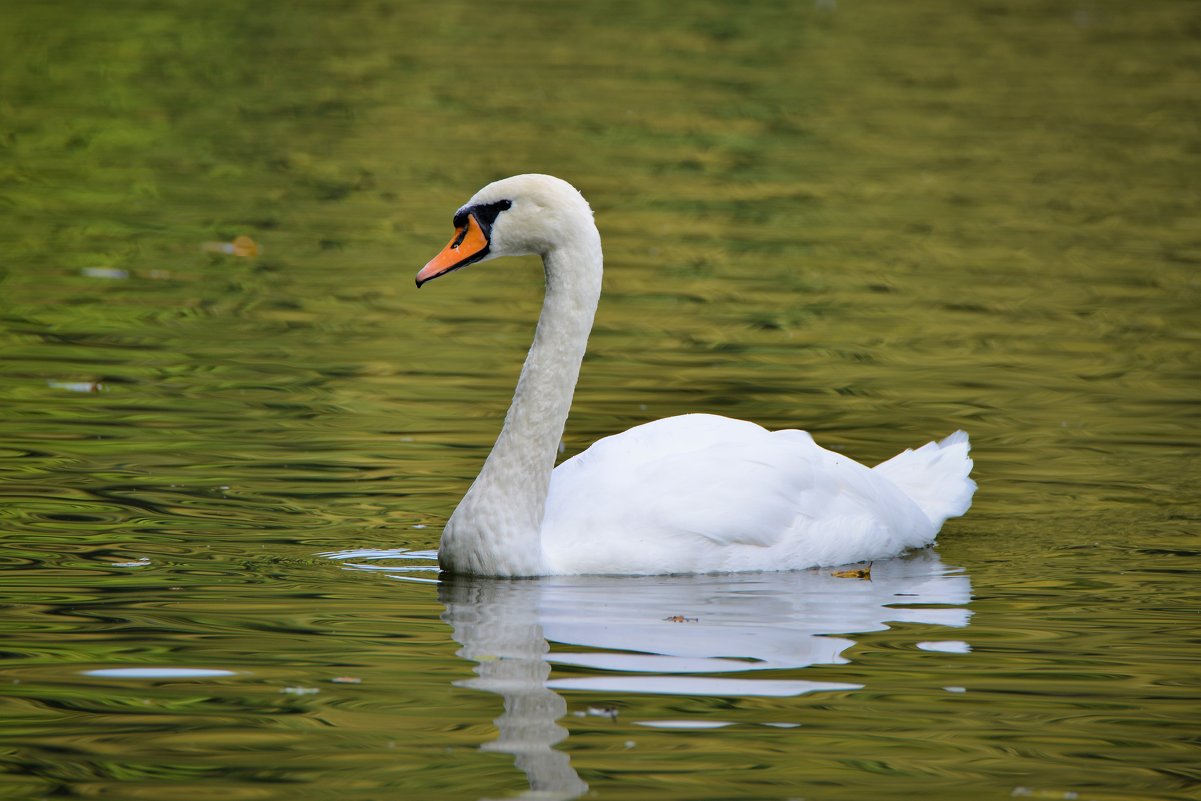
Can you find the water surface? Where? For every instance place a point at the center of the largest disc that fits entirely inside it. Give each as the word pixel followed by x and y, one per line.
pixel 224 467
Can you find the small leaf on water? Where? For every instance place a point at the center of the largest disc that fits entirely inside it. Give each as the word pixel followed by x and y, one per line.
pixel 242 246
pixel 858 573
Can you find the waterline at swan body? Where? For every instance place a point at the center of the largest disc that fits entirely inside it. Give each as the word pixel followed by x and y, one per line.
pixel 696 493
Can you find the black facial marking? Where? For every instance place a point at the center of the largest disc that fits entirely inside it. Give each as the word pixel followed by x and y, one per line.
pixel 486 215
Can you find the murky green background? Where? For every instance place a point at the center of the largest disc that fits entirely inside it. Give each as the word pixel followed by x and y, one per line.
pixel 879 221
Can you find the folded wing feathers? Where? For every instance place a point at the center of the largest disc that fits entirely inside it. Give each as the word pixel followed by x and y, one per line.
pixel 674 484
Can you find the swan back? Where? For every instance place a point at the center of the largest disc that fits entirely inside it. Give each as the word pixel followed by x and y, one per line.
pixel 702 493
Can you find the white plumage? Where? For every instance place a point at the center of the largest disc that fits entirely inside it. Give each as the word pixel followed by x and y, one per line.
pixel 690 494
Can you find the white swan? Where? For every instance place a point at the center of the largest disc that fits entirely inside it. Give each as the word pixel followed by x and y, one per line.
pixel 691 494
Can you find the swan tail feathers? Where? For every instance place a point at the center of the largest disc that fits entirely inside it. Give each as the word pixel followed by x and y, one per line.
pixel 935 476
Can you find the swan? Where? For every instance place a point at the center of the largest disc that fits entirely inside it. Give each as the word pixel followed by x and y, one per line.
pixel 697 493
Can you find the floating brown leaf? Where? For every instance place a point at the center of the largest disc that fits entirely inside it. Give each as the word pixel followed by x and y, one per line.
pixel 241 246
pixel 857 573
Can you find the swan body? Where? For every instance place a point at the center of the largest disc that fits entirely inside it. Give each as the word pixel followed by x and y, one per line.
pixel 696 493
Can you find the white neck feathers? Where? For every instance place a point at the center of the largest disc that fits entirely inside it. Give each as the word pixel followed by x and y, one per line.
pixel 496 529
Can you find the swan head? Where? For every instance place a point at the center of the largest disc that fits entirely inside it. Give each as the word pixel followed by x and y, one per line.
pixel 517 216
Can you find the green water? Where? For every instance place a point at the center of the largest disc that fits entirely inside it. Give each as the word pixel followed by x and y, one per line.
pixel 878 221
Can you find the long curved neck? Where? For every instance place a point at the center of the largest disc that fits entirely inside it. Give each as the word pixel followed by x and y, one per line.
pixel 496 529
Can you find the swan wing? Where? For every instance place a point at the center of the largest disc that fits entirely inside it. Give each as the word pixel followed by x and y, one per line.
pixel 703 493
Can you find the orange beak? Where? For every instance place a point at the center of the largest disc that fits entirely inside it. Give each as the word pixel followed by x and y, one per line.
pixel 469 245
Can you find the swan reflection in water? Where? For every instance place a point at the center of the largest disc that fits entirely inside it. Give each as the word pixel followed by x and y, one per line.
pixel 699 635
